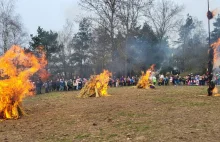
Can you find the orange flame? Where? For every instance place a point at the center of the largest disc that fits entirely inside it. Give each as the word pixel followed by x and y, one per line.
pixel 97 85
pixel 43 74
pixel 16 67
pixel 144 81
pixel 215 92
pixel 215 12
pixel 216 47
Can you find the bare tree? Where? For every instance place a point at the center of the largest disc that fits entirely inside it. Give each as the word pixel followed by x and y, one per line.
pixel 18 35
pixel 64 38
pixel 164 16
pixel 6 10
pixel 11 28
pixel 106 12
pixel 66 35
pixel 129 14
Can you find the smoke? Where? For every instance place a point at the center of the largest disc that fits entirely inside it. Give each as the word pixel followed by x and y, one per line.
pixel 140 54
pixel 146 52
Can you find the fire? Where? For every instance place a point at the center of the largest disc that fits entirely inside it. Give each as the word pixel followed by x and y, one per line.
pixel 212 14
pixel 97 85
pixel 144 81
pixel 43 74
pixel 216 48
pixel 17 65
pixel 215 92
pixel 215 12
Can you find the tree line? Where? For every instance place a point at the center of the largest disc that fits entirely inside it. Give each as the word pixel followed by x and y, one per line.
pixel 123 36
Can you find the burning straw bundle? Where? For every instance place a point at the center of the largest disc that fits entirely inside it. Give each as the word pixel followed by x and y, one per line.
pixel 145 82
pixel 96 86
pixel 214 67
pixel 16 66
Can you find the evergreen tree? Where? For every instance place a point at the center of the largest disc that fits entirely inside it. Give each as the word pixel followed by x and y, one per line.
pixel 81 43
pixel 215 34
pixel 191 55
pixel 101 49
pixel 185 35
pixel 47 39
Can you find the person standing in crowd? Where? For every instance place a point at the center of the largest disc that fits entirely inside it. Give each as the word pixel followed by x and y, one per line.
pixel 161 80
pixel 171 79
pixel 58 85
pixel 166 80
pixel 117 83
pixel 177 79
pixel 197 80
pixel 84 82
pixel 200 80
pixel 50 86
pixel 46 86
pixel 54 85
pixel 39 86
pixel 132 81
pixel 154 79
pixel 189 79
pixel 62 84
pixel 33 87
pixel 80 83
pixel 122 81
pixel 174 80
pixel 128 81
pixel 77 83
pixel 113 82
pixel 70 84
pixel 66 86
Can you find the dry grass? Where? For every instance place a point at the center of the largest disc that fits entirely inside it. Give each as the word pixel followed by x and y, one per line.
pixel 166 114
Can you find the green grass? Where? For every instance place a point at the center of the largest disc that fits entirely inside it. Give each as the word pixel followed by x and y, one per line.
pixel 45 96
pixel 141 128
pixel 165 100
pixel 132 114
pixel 111 136
pixel 54 138
pixel 71 122
pixel 136 127
pixel 82 136
pixel 193 104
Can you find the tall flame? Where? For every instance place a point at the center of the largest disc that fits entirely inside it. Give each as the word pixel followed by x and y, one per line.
pixel 216 48
pixel 144 81
pixel 16 67
pixel 97 85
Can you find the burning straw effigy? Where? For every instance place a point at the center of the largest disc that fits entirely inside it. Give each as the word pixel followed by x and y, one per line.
pixel 215 66
pixel 212 58
pixel 16 67
pixel 97 86
pixel 145 82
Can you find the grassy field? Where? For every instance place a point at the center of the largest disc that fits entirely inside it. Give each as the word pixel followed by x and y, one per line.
pixel 167 114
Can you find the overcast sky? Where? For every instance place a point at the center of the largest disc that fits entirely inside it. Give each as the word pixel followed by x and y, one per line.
pixel 51 14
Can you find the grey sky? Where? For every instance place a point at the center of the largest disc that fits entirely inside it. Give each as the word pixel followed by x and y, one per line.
pixel 51 14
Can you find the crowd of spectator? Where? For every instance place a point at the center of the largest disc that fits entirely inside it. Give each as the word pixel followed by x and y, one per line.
pixel 160 80
pixel 59 85
pixel 186 80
